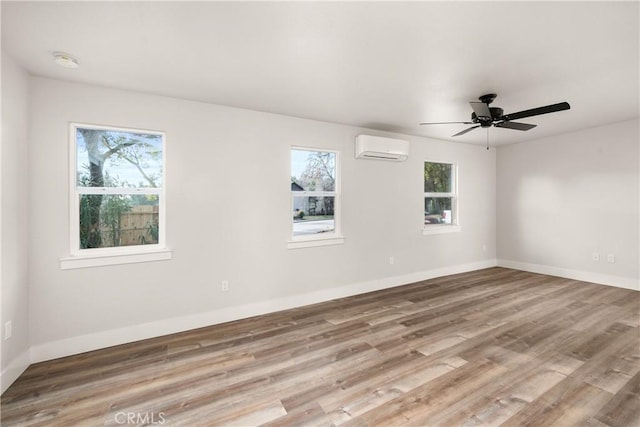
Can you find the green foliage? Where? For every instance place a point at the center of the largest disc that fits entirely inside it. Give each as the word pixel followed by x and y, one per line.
pixel 111 216
pixel 437 177
pixel 97 210
pixel 90 236
pixel 105 211
pixel 144 199
pixel 152 230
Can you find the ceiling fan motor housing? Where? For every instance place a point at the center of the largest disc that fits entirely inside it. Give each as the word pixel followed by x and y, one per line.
pixel 485 122
pixel 488 98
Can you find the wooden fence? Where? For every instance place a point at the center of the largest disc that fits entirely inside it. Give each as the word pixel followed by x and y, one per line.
pixel 137 226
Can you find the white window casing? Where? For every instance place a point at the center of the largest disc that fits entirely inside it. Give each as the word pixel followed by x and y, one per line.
pixel 319 238
pixel 132 253
pixel 453 195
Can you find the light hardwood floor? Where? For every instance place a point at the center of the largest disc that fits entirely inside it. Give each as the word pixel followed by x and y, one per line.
pixel 491 347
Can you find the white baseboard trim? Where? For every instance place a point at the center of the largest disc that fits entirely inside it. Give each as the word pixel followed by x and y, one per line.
pixel 84 343
pixel 585 276
pixel 14 369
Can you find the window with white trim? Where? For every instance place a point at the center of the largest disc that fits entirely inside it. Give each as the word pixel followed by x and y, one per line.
pixel 440 197
pixel 117 191
pixel 315 197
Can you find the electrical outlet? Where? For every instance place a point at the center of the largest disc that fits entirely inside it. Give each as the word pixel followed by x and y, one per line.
pixel 595 256
pixel 225 286
pixel 8 330
pixel 611 258
pixel 391 260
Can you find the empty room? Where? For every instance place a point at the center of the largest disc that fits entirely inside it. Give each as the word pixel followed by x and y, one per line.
pixel 289 213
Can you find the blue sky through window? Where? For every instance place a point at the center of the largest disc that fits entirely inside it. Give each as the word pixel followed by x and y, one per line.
pixel 125 173
pixel 299 160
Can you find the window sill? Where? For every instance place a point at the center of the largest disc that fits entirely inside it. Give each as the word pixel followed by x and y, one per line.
pixel 310 243
pixel 440 229
pixel 84 261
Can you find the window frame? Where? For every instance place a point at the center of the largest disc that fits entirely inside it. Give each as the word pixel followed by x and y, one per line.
pixel 334 237
pixel 92 257
pixel 453 195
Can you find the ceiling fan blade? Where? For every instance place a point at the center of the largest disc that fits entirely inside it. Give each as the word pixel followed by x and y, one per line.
pixel 537 111
pixel 481 109
pixel 515 125
pixel 466 130
pixel 448 123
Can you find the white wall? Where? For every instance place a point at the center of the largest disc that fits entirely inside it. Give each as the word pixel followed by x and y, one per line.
pixel 559 199
pixel 13 206
pixel 562 198
pixel 224 165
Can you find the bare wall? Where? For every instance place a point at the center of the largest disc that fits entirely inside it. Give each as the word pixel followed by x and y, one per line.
pixel 228 213
pixel 560 199
pixel 14 188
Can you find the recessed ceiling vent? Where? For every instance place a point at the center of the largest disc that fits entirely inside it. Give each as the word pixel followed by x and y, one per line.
pixel 381 148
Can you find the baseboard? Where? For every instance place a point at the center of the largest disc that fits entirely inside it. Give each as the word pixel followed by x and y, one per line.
pixel 84 343
pixel 14 369
pixel 89 342
pixel 585 276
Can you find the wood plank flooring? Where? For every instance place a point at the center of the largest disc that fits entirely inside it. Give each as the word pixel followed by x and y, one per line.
pixel 490 347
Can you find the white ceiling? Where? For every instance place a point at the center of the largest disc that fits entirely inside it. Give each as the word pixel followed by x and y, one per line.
pixel 381 65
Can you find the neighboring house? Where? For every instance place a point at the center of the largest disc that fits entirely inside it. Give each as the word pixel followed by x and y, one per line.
pixel 299 203
pixel 309 205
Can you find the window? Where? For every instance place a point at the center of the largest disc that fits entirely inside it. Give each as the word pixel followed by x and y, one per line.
pixel 440 197
pixel 117 192
pixel 315 198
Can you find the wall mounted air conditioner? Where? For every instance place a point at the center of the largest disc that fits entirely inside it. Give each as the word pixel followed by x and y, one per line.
pixel 381 148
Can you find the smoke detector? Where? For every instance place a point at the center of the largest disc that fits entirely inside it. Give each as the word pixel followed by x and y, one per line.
pixel 65 60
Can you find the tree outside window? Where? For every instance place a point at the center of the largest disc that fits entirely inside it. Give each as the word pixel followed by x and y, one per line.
pixel 118 187
pixel 313 191
pixel 440 195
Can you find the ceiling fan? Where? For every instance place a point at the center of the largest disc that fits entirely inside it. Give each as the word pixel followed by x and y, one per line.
pixel 485 116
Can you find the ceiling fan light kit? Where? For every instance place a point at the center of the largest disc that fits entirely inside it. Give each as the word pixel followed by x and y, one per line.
pixel 484 116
